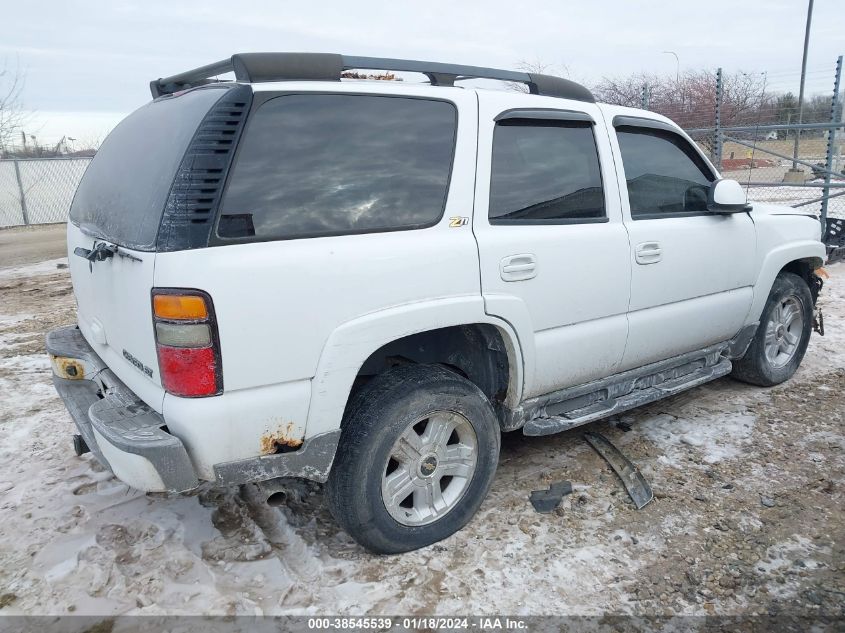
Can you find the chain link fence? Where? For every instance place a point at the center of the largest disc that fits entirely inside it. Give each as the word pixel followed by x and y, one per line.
pixel 38 190
pixel 774 166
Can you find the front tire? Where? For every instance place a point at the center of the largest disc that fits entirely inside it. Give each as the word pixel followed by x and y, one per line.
pixel 782 337
pixel 417 455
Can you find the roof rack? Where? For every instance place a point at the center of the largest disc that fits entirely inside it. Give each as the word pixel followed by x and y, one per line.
pixel 255 67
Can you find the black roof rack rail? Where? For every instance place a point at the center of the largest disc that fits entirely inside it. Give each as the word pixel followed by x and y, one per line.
pixel 254 67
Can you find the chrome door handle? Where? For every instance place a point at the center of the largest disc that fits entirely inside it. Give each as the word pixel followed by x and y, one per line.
pixel 518 267
pixel 648 253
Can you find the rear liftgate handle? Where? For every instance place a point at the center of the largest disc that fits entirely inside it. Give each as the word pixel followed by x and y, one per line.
pixel 518 267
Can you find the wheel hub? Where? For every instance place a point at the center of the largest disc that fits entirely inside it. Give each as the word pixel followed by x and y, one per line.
pixel 429 468
pixel 784 331
pixel 428 465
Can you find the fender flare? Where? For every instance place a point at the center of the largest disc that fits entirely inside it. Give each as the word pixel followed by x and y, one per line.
pixel 352 343
pixel 811 251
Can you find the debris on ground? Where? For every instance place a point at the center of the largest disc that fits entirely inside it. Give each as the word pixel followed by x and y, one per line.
pixel 636 485
pixel 545 501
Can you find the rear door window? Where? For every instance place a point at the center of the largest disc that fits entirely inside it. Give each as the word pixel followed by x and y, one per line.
pixel 329 164
pixel 122 195
pixel 545 172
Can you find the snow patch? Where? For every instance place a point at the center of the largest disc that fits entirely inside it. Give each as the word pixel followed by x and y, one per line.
pixel 33 270
pixel 718 438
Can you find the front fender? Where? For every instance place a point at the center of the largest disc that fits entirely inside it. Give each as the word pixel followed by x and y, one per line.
pixel 811 251
pixel 352 343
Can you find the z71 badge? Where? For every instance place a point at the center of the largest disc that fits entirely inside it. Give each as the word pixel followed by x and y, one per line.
pixel 458 221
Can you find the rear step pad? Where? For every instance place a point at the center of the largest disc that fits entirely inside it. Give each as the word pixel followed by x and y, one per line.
pixel 612 406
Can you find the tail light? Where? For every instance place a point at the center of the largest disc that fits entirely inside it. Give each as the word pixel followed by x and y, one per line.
pixel 187 342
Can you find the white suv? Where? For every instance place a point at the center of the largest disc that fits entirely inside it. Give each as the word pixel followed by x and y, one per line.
pixel 364 283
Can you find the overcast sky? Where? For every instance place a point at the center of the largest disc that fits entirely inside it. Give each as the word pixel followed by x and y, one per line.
pixel 88 63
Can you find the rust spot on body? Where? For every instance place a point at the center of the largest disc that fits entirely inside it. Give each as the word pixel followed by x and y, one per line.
pixel 68 368
pixel 280 440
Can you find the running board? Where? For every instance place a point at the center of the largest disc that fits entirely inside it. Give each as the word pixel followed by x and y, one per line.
pixel 600 405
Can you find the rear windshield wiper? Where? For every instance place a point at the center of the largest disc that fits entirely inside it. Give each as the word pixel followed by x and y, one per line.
pixel 101 252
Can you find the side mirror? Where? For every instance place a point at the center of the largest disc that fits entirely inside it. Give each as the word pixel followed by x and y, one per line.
pixel 727 196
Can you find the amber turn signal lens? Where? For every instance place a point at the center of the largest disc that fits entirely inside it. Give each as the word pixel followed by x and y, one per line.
pixel 180 307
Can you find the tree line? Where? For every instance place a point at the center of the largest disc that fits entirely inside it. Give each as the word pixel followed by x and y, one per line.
pixel 689 99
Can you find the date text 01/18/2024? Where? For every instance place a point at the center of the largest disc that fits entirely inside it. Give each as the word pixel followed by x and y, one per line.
pixel 417 623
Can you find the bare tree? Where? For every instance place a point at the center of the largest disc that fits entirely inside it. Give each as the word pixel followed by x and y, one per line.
pixel 543 68
pixel 12 115
pixel 537 67
pixel 690 98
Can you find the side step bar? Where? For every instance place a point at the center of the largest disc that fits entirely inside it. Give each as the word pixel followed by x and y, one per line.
pixel 637 391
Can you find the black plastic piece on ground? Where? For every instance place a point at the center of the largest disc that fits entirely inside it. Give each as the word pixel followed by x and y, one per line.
pixel 636 485
pixel 545 501
pixel 79 445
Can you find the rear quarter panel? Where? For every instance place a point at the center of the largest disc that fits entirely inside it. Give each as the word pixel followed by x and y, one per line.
pixel 278 304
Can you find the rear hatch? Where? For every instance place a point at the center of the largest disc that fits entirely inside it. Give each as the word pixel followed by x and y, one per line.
pixel 118 209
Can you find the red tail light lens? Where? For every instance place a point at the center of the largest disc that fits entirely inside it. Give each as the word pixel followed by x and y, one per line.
pixel 187 342
pixel 188 372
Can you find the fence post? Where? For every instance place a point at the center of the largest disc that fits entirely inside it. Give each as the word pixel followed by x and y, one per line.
pixel 716 155
pixel 24 211
pixel 831 142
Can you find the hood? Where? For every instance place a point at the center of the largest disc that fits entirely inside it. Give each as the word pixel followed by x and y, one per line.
pixel 767 208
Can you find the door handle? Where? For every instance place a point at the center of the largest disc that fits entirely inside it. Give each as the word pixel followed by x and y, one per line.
pixel 648 253
pixel 518 267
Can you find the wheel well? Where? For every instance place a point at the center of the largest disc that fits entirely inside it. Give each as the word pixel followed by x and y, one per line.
pixel 477 352
pixel 805 268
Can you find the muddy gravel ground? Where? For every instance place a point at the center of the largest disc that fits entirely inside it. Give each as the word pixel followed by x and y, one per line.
pixel 748 516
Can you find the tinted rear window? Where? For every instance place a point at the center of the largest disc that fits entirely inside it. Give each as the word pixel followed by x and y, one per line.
pixel 545 171
pixel 121 197
pixel 312 165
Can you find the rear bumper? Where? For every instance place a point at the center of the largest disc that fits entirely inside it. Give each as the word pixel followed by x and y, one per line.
pixel 123 433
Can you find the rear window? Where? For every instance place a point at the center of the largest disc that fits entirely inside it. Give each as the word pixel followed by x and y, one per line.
pixel 121 197
pixel 312 165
